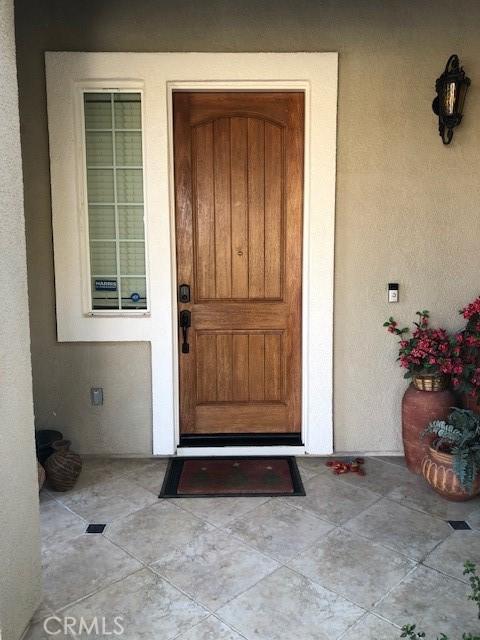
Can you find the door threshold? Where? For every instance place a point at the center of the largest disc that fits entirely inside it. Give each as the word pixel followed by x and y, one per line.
pixel 242 440
pixel 192 452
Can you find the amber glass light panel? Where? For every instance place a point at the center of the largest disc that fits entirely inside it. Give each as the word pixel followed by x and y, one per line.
pixel 114 169
pixel 450 98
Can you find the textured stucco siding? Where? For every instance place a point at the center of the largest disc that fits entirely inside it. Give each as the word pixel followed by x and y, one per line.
pixel 407 207
pixel 19 536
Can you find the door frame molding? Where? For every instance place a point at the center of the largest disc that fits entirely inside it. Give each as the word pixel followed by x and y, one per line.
pixel 157 74
pixel 316 412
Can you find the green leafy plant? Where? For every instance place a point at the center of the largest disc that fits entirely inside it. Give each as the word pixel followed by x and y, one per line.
pixel 459 435
pixel 470 570
pixel 410 630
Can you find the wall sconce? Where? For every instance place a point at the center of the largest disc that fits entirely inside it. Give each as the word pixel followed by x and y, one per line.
pixel 451 88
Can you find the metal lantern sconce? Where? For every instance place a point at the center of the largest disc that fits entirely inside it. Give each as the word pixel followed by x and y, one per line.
pixel 451 88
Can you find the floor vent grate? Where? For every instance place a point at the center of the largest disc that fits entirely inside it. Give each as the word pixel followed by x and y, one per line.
pixel 95 528
pixel 459 525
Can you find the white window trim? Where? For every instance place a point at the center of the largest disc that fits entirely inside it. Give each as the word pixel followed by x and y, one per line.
pixel 158 74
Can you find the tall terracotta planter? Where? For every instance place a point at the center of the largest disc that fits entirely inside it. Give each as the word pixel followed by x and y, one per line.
pixel 419 408
pixel 470 403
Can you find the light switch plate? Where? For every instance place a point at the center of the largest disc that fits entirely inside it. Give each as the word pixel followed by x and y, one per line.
pixel 96 396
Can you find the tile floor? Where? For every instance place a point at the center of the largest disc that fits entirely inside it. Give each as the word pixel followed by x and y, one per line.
pixel 355 558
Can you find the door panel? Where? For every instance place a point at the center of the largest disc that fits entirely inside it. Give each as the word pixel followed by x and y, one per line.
pixel 238 187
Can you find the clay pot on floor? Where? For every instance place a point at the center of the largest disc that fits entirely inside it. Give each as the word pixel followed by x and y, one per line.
pixel 41 475
pixel 63 467
pixel 419 408
pixel 437 469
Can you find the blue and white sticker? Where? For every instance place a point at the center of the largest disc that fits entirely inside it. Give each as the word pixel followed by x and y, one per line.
pixel 135 297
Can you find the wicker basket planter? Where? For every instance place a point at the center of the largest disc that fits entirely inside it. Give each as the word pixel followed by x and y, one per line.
pixel 63 467
pixel 438 471
pixel 430 382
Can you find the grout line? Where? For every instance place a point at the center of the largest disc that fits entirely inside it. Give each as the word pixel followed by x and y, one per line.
pixel 417 509
pixel 351 626
pixel 228 522
pixel 94 592
pixel 380 600
pixel 380 617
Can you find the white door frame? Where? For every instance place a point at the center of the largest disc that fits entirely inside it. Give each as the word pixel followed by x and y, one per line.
pixel 251 85
pixel 158 74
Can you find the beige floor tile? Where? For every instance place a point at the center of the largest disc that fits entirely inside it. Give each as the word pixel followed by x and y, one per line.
pixel 45 496
pixel 147 607
pixel 332 499
pixel 219 511
pixel 451 554
pixel 278 529
pixel 149 476
pixel 286 606
pixel 52 628
pixel 473 519
pixel 101 469
pixel 410 532
pixel 214 568
pixel 372 628
pixel 58 524
pixel 349 565
pixel 419 495
pixel 434 602
pixel 42 611
pixel 80 566
pixel 258 600
pixel 398 460
pixel 310 466
pixel 106 501
pixel 210 629
pixel 380 477
pixel 151 533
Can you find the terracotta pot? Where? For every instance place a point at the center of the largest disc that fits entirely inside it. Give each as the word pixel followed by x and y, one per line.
pixel 419 408
pixel 63 467
pixel 470 403
pixel 437 469
pixel 41 475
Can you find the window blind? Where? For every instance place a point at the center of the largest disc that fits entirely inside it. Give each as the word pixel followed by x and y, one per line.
pixel 114 169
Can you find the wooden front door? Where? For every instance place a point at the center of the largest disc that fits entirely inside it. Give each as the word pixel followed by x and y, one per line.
pixel 239 200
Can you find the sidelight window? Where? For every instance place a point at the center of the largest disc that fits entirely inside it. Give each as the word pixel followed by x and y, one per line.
pixel 115 196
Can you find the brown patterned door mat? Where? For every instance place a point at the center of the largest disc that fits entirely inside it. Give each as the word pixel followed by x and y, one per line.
pixel 232 476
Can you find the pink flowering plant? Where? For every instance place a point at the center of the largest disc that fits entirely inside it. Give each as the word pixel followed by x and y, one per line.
pixel 467 349
pixel 427 350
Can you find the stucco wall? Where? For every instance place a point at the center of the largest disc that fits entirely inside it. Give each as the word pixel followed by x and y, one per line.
pixel 406 206
pixel 19 536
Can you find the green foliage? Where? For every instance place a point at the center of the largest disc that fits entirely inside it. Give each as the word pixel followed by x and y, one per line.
pixel 460 436
pixel 409 630
pixel 469 569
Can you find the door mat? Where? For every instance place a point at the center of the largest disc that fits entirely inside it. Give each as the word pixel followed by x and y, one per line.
pixel 233 476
